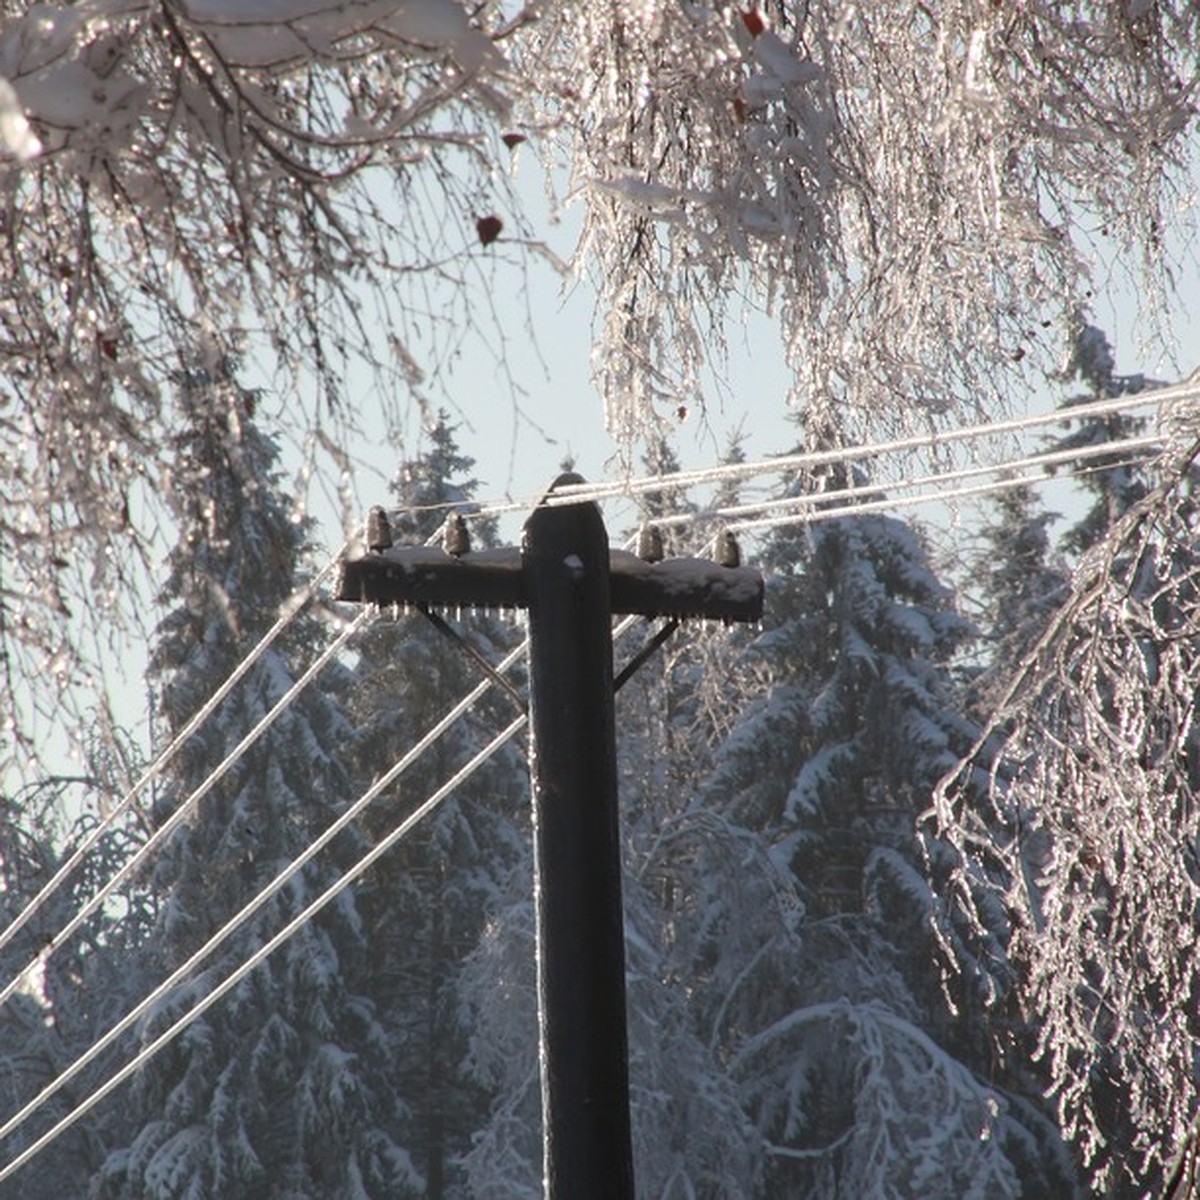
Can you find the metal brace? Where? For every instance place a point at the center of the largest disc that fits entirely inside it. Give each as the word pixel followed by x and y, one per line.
pixel 443 626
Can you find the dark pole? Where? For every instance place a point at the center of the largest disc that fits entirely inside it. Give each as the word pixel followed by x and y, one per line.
pixel 571 583
pixel 581 945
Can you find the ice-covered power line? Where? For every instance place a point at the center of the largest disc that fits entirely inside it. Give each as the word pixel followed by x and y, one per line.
pixel 187 806
pixel 814 500
pixel 288 613
pixel 576 493
pixel 271 889
pixel 887 504
pixel 205 1003
pixel 1188 390
pixel 259 899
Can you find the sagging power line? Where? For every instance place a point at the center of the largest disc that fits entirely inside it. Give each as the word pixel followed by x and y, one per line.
pixel 186 807
pixel 290 610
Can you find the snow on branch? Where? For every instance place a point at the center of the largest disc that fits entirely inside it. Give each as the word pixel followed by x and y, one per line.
pixel 180 180
pixel 920 1123
pixel 901 185
pixel 1093 832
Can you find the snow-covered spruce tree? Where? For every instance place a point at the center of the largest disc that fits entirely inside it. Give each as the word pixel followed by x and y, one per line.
pixel 1100 745
pixel 285 1088
pixel 427 903
pixel 1019 582
pixel 43 1024
pixel 831 1016
pixel 1115 484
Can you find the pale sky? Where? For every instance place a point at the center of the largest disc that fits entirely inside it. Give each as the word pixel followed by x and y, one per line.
pixel 518 451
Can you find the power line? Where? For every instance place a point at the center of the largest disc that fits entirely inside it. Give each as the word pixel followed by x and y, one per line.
pixel 314 847
pixel 623 489
pixel 885 505
pixel 272 888
pixel 577 492
pixel 188 805
pixel 818 499
pixel 1041 461
pixel 260 898
pixel 290 609
pixel 302 918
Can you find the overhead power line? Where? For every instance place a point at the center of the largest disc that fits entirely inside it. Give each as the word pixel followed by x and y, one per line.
pixel 186 807
pixel 271 889
pixel 602 491
pixel 289 611
pixel 302 918
pixel 576 492
pixel 886 505
pixel 816 500
pixel 1189 389
pixel 258 900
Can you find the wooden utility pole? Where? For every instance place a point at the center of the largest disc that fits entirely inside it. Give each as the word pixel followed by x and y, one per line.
pixel 572 584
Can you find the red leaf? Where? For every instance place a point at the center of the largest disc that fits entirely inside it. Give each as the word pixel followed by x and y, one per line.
pixel 488 229
pixel 753 21
pixel 512 140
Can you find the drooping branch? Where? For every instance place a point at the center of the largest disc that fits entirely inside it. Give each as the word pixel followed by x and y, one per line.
pixel 1091 836
pixel 184 183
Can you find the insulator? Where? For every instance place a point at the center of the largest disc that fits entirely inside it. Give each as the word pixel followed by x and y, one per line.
pixel 379 530
pixel 728 554
pixel 456 541
pixel 650 544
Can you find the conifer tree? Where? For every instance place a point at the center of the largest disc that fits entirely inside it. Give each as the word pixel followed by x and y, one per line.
pixel 1020 581
pixel 1114 484
pixel 58 1003
pixel 429 900
pixel 832 1016
pixel 285 1088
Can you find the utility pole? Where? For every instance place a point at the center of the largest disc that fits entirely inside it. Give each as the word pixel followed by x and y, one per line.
pixel 571 584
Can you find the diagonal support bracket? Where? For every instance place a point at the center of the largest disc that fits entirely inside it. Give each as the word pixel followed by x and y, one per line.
pixel 473 652
pixel 628 670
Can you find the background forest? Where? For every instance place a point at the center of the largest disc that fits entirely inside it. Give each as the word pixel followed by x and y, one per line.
pixel 910 872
